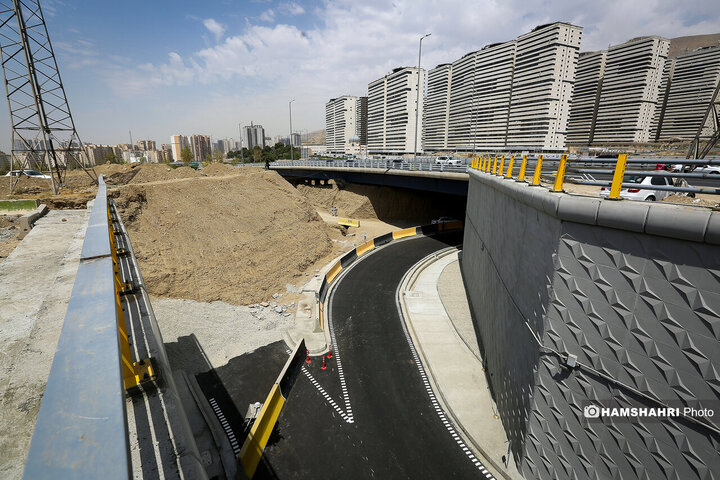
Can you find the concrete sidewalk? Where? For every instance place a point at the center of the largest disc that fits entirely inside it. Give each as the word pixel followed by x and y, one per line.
pixel 449 353
pixel 35 285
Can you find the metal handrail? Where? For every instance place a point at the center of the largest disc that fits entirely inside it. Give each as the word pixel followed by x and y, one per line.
pixel 81 429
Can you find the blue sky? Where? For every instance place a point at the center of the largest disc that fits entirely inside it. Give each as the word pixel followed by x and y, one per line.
pixel 161 67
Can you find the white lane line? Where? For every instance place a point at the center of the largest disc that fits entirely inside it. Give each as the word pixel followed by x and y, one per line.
pixel 436 405
pixel 346 415
pixel 226 426
pixel 336 354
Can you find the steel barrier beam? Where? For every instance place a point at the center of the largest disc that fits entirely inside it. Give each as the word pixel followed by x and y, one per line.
pixel 81 431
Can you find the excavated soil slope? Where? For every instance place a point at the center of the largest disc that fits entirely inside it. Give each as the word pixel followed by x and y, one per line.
pixel 238 238
pixel 371 201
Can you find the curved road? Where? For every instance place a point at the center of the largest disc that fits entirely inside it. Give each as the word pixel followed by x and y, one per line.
pixel 383 424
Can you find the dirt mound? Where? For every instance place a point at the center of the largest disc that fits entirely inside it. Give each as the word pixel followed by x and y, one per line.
pixel 685 200
pixel 371 201
pixel 157 172
pixel 26 186
pixel 220 169
pixel 239 239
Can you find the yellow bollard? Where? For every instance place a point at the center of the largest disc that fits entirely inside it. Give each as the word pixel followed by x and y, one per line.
pixel 560 175
pixel 502 166
pixel 523 166
pixel 538 170
pixel 494 169
pixel 618 177
pixel 510 167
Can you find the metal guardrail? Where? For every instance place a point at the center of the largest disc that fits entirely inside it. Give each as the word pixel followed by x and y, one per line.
pixel 81 430
pixel 379 164
pixel 560 168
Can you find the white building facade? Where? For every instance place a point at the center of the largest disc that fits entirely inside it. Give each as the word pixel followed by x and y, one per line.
pixel 687 87
pixel 630 90
pixel 392 112
pixel 515 94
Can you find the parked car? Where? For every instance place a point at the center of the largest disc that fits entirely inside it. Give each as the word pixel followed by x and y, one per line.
pixel 27 173
pixel 712 169
pixel 641 193
pixel 445 160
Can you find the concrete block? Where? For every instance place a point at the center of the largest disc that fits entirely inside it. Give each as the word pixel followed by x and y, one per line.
pixel 677 222
pixel 623 215
pixel 578 209
pixel 712 234
pixel 28 220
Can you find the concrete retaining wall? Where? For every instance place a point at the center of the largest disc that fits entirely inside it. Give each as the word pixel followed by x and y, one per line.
pixel 631 289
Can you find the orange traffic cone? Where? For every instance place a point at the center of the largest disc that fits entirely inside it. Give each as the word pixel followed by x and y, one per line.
pixel 329 355
pixel 307 352
pixel 323 365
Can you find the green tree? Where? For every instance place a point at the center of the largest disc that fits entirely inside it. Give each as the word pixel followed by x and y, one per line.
pixel 217 156
pixel 186 155
pixel 257 153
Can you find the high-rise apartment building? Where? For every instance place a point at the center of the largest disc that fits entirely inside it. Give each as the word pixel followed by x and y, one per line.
pixel 177 143
pixel 345 117
pixel 201 148
pixel 462 103
pixel 630 90
pixel 391 111
pixel 146 145
pixel 586 97
pixel 687 87
pixel 437 108
pixel 542 86
pixel 252 136
pixel 514 94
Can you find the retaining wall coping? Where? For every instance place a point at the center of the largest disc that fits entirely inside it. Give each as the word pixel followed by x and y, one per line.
pixel 674 221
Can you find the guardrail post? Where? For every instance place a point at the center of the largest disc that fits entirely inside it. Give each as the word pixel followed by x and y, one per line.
pixel 502 166
pixel 538 170
pixel 494 167
pixel 560 175
pixel 618 177
pixel 510 167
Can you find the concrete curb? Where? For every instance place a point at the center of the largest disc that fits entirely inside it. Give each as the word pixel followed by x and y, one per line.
pixel 27 221
pixel 407 282
pixel 696 224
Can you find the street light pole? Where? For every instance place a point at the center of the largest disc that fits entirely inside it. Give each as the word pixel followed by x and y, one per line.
pixel 417 98
pixel 242 155
pixel 292 158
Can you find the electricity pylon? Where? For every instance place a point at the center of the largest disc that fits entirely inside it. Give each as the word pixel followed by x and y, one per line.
pixel 43 131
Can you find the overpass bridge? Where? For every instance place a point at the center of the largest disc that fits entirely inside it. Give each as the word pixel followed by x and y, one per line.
pixel 578 302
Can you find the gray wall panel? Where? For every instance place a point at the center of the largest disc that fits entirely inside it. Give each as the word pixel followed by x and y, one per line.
pixel 642 308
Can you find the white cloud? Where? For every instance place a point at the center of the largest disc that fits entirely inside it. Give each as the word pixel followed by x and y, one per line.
pixel 214 27
pixel 353 43
pixel 267 16
pixel 290 8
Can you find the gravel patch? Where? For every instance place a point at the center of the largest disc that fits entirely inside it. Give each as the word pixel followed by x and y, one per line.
pixel 224 331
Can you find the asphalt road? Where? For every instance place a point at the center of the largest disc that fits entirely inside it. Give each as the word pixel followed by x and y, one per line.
pixel 376 420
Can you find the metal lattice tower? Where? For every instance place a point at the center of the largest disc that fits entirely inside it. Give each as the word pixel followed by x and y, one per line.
pixel 710 126
pixel 43 131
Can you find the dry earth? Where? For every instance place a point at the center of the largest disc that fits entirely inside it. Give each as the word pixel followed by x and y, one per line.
pixel 237 238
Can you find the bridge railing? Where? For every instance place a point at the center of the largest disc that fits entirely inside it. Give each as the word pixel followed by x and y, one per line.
pixel 384 164
pixel 582 171
pixel 81 430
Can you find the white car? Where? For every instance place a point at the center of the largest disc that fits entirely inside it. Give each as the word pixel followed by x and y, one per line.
pixel 27 173
pixel 642 194
pixel 444 160
pixel 712 169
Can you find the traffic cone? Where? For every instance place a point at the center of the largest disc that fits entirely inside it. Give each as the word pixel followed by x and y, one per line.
pixel 307 352
pixel 323 365
pixel 329 355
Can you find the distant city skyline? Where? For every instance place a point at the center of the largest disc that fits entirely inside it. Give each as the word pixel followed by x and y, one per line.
pixel 204 68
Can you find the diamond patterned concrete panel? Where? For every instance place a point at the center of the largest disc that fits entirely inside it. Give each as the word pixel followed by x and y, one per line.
pixel 642 309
